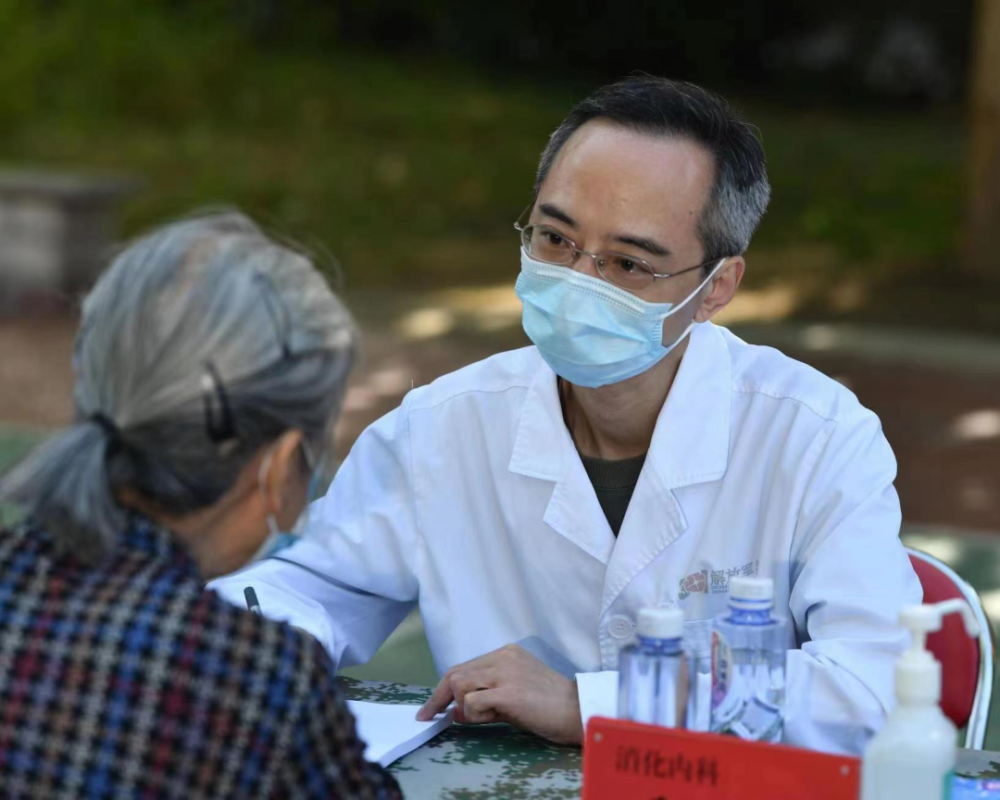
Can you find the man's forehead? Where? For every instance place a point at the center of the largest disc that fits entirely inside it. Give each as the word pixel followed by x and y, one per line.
pixel 610 170
pixel 606 148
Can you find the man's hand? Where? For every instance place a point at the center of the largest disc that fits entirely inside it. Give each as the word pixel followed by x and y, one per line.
pixel 509 685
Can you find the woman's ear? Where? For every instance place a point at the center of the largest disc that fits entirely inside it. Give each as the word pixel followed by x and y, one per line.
pixel 723 289
pixel 279 467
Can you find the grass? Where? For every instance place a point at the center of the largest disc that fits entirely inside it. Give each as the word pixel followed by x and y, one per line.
pixel 412 171
pixel 15 443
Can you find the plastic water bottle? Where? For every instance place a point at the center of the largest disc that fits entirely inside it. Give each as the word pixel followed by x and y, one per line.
pixel 652 682
pixel 749 648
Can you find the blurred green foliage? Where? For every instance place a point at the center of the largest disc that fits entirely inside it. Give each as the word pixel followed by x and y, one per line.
pixel 15 444
pixel 410 169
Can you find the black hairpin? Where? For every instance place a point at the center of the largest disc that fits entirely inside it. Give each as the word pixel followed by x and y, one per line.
pixel 221 426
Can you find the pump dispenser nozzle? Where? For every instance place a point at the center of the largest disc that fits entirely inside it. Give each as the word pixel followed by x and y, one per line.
pixel 918 673
pixel 913 755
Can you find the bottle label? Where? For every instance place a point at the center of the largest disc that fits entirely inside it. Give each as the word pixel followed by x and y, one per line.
pixel 722 669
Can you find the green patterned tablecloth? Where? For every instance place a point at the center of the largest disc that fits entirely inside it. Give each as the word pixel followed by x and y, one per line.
pixel 476 761
pixel 497 761
pixel 978 764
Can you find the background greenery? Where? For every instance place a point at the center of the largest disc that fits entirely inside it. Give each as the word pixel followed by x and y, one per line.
pixel 410 165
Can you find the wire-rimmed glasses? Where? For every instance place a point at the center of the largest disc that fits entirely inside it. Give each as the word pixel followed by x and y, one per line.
pixel 545 243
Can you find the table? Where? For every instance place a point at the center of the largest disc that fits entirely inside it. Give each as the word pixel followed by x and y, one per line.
pixel 488 761
pixel 476 761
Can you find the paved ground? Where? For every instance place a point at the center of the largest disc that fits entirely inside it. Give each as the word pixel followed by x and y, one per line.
pixel 945 429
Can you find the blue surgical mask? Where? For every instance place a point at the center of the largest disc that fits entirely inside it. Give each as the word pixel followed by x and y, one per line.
pixel 589 331
pixel 277 539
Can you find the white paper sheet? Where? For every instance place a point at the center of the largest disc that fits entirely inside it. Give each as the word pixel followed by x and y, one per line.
pixel 390 730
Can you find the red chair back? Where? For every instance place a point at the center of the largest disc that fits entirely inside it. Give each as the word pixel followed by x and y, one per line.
pixel 958 654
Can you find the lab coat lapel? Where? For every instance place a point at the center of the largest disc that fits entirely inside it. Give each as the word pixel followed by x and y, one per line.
pixel 544 449
pixel 690 446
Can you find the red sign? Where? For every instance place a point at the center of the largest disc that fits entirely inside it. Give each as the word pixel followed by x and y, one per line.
pixel 647 762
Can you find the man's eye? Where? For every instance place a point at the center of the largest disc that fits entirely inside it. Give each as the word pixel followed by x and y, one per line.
pixel 626 265
pixel 554 239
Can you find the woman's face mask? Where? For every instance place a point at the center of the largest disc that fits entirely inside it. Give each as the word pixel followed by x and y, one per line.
pixel 277 539
pixel 590 332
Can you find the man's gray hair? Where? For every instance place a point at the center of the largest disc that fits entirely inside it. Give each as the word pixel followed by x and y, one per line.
pixel 204 341
pixel 661 107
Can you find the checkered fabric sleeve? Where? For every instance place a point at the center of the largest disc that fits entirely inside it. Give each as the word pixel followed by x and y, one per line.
pixel 326 757
pixel 128 679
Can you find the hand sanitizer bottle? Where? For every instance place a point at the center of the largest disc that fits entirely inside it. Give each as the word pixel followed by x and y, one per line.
pixel 749 649
pixel 913 756
pixel 652 682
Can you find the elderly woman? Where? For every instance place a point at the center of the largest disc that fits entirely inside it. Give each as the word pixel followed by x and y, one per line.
pixel 210 364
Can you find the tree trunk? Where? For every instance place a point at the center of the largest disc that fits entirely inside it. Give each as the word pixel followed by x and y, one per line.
pixel 982 235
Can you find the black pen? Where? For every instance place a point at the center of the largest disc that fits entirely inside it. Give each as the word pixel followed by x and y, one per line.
pixel 252 602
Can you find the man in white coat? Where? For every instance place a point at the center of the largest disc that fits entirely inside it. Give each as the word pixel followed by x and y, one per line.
pixel 638 455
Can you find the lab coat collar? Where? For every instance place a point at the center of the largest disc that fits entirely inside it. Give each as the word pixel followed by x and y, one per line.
pixel 543 448
pixel 690 445
pixel 691 439
pixel 543 445
pixel 690 442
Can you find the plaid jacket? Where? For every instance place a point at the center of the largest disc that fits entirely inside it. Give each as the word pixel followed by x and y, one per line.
pixel 130 680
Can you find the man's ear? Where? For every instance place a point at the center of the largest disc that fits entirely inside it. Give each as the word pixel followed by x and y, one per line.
pixel 279 467
pixel 723 288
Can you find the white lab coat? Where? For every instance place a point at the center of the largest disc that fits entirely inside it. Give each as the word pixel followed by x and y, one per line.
pixel 471 502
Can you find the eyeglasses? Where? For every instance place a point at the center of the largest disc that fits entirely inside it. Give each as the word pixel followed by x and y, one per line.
pixel 547 244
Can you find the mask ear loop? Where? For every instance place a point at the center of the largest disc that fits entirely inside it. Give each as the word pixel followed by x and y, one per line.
pixel 678 307
pixel 265 468
pixel 704 283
